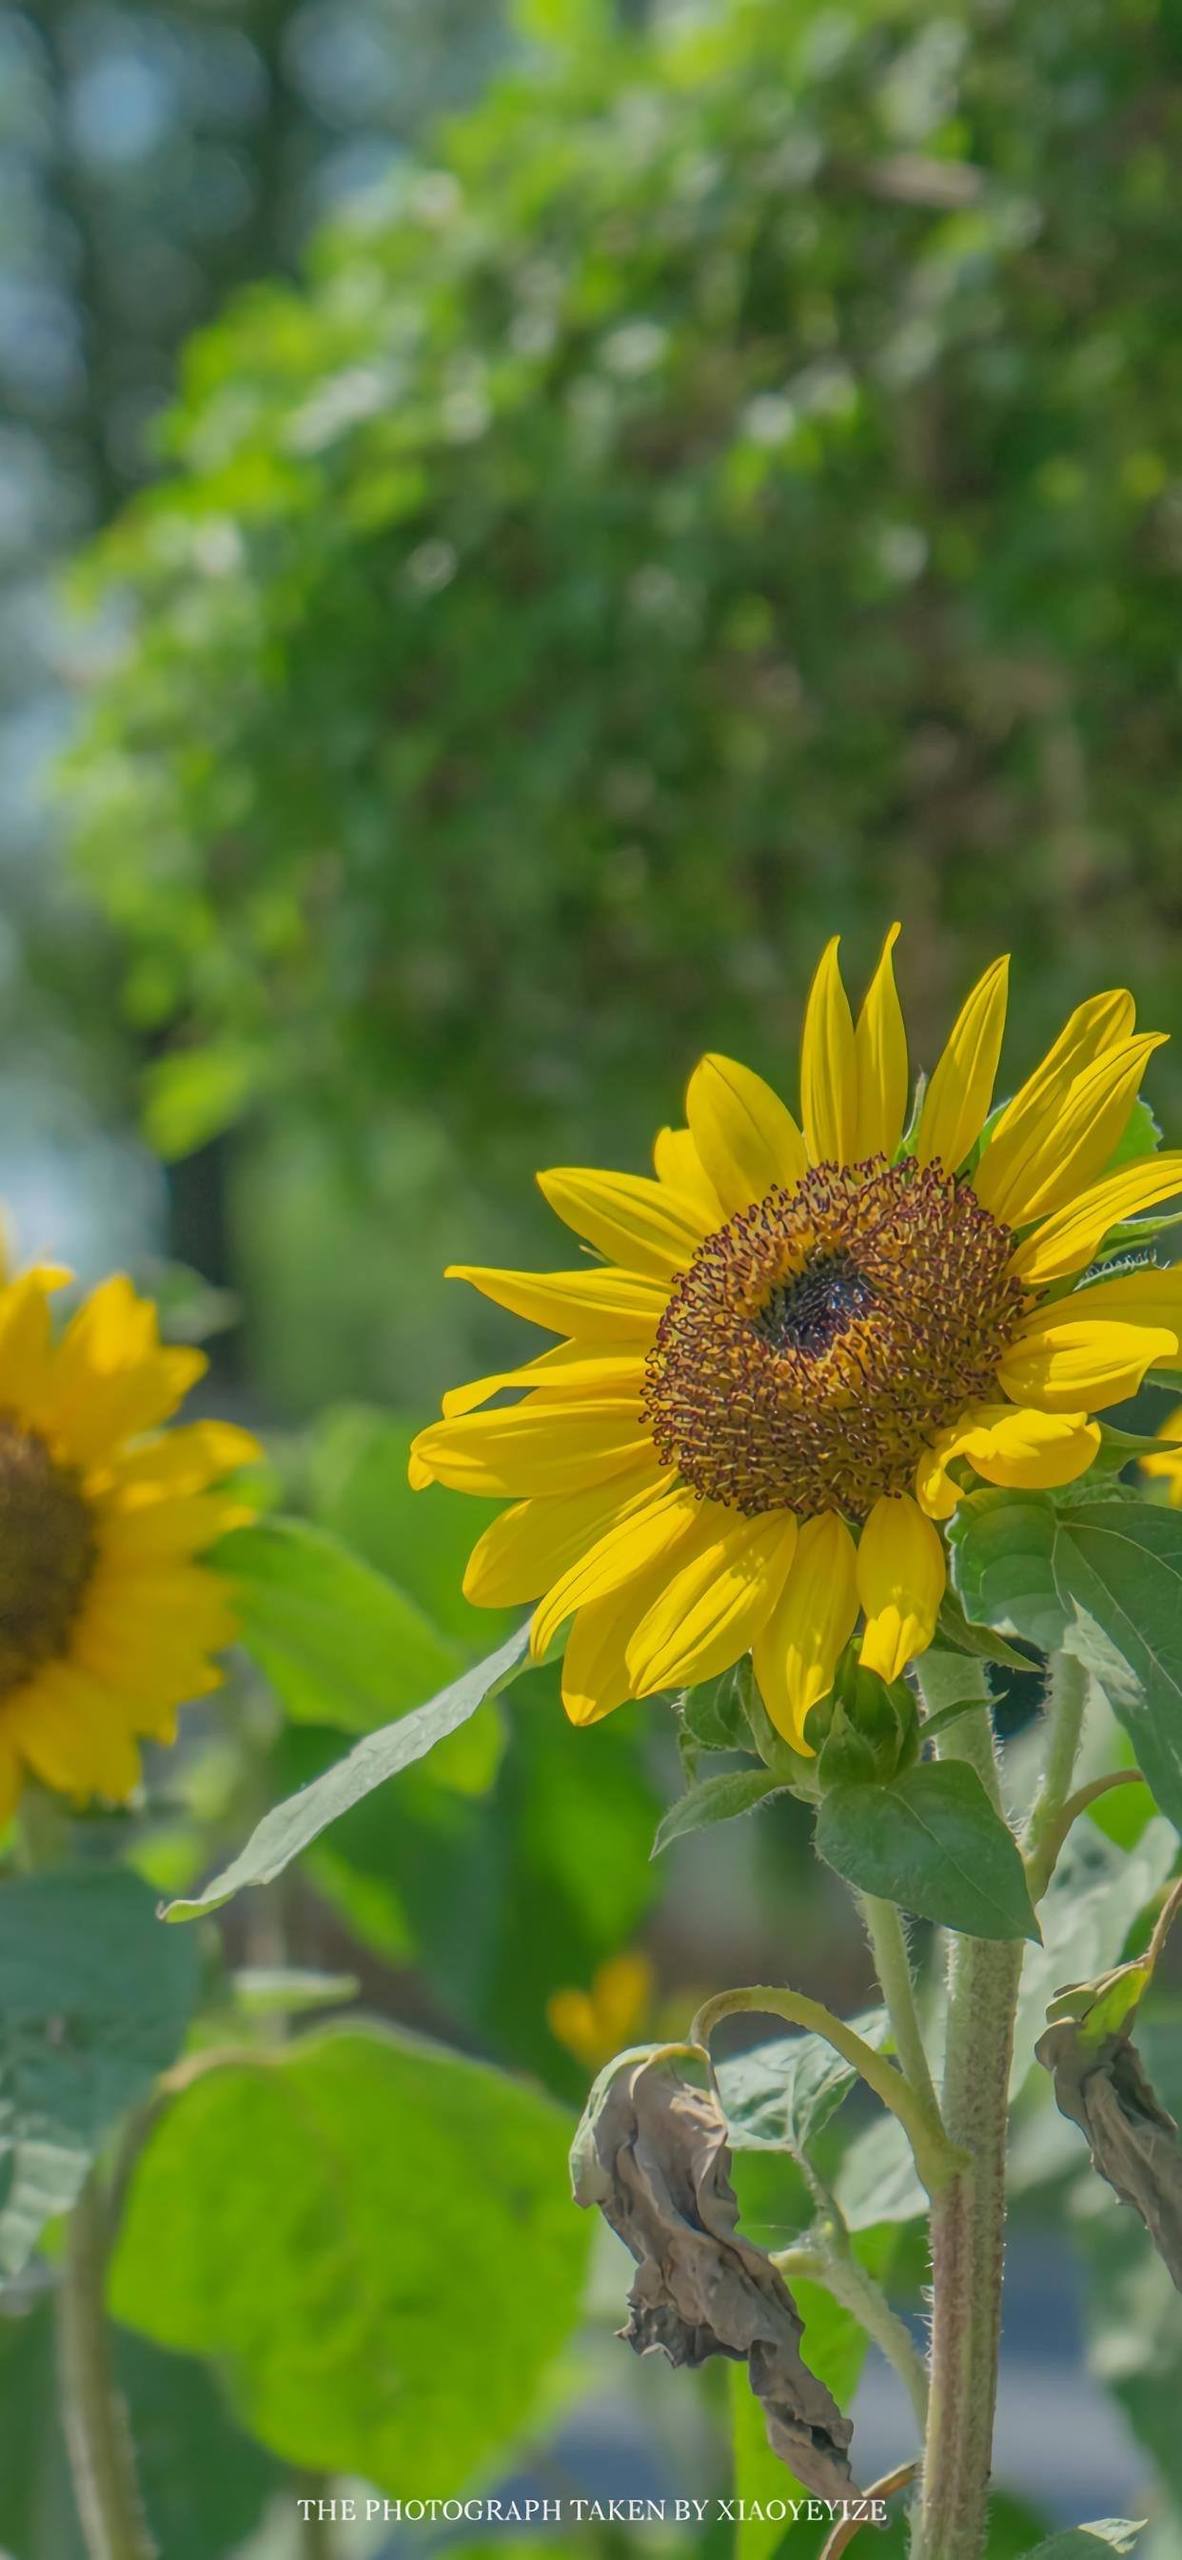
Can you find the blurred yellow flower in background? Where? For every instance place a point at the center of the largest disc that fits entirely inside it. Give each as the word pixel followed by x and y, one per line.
pixel 803 1338
pixel 594 2025
pixel 1166 1463
pixel 108 1621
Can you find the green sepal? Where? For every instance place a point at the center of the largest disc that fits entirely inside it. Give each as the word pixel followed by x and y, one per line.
pixel 873 1729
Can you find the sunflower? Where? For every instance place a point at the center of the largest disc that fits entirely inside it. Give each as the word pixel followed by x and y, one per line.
pixel 804 1341
pixel 107 1621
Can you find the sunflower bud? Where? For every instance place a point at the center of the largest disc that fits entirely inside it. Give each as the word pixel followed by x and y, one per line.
pixel 872 1729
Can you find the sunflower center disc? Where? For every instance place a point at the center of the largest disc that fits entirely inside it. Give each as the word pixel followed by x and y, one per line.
pixel 820 1340
pixel 46 1554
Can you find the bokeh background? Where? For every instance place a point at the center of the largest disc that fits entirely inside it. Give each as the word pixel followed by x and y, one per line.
pixel 516 523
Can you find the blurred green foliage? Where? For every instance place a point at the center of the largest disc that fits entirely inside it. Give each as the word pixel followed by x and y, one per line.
pixel 734 489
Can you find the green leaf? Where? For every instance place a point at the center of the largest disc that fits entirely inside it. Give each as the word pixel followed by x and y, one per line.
pixel 983 1643
pixel 877 2180
pixel 1085 2541
pixel 94 2002
pixel 357 1486
pixel 338 1643
pixel 716 1800
pixel 290 1827
pixel 192 1095
pixel 1104 1582
pixel 343 2227
pixel 1141 1136
pixel 204 2482
pixel 932 1843
pixel 783 2093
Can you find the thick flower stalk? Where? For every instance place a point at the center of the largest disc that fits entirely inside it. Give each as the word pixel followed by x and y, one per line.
pixel 804 1340
pixel 109 1619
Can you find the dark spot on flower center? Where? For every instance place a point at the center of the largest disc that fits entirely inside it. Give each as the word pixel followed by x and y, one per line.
pixel 808 1313
pixel 820 1341
pixel 47 1552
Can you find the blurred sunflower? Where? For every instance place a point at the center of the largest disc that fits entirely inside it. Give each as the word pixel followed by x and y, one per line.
pixel 593 2025
pixel 1166 1463
pixel 803 1341
pixel 107 1620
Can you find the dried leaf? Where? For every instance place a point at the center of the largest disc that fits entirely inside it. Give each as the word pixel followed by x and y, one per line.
pixel 652 2153
pixel 1134 2143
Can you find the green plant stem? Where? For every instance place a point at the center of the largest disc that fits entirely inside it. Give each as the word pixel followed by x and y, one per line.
pixel 1066 1701
pixel 114 2526
pixel 933 2158
pixel 968 2216
pixel 892 1964
pixel 849 2283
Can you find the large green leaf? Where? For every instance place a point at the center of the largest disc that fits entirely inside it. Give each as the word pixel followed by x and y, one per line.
pixel 504 1899
pixel 338 1642
pixel 374 2239
pixel 292 1825
pixel 932 1843
pixel 785 2091
pixel 94 2001
pixel 1101 1580
pixel 876 2180
pixel 357 1486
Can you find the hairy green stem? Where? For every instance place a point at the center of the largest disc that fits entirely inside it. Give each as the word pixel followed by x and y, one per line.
pixel 849 2283
pixel 1066 1701
pixel 933 2158
pixel 892 1964
pixel 97 2434
pixel 968 2217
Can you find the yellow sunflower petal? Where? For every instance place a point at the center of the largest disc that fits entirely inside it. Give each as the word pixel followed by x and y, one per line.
pixel 179 1462
pixel 715 1602
pixel 1104 1022
pixel 595 1306
pixel 1007 1445
pixel 797 1650
pixel 901 1579
pixel 110 1377
pixel 651 1528
pixel 1066 1361
pixel 1152 1297
pixel 526 1548
pixel 642 1224
pixel 1048 1156
pixel 183 1527
pixel 609 1369
pixel 533 1448
pixel 26 1342
pixel 828 1067
pixel 880 1056
pixel 1073 1236
pixel 746 1137
pixel 677 1163
pixel 956 1104
pixel 73 1735
pixel 595 1674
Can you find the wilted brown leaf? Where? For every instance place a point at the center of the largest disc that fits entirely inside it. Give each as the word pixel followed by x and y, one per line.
pixel 652 2153
pixel 1134 2143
